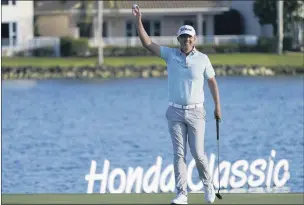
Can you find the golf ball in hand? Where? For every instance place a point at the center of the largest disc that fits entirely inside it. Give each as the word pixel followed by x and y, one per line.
pixel 134 6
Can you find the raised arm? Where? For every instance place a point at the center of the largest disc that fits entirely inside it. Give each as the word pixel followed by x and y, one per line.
pixel 143 36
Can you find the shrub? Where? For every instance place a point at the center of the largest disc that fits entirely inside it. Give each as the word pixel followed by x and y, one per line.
pixel 287 43
pixel 74 47
pixel 66 46
pixel 112 51
pixel 47 51
pixel 264 45
pixel 44 51
pixel 267 44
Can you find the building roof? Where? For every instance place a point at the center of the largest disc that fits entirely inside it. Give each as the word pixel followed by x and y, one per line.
pixel 165 4
pixel 54 5
pixel 61 5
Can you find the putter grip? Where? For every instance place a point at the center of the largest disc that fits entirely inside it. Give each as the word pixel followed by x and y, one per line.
pixel 217 129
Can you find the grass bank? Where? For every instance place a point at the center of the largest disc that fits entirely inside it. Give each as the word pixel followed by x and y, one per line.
pixel 290 59
pixel 161 198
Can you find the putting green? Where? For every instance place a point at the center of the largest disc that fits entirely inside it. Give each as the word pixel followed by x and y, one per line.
pixel 161 198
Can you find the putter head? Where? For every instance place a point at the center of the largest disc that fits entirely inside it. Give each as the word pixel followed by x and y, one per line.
pixel 218 196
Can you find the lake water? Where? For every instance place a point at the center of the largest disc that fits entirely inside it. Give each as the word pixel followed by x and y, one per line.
pixel 52 129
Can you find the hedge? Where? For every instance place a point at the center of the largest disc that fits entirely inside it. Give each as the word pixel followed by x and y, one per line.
pixel 70 47
pixel 73 47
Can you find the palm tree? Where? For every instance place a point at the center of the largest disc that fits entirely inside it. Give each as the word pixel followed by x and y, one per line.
pixel 85 20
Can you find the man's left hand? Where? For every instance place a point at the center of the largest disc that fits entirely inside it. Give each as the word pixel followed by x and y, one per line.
pixel 217 113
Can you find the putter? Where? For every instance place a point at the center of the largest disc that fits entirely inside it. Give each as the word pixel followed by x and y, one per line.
pixel 218 156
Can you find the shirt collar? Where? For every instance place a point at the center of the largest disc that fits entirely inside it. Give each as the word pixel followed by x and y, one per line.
pixel 192 52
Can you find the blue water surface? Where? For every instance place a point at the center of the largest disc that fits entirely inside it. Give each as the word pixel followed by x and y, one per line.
pixel 53 129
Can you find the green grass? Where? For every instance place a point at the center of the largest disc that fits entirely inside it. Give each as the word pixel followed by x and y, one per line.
pixel 292 59
pixel 163 198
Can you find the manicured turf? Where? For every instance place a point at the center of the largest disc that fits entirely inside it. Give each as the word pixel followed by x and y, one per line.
pixel 253 198
pixel 292 59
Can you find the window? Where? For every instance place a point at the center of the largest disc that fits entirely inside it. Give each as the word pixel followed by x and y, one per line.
pixel 9 34
pixel 204 28
pixel 129 29
pixel 5 34
pixel 14 33
pixel 152 28
pixel 7 2
pixel 147 27
pixel 4 2
pixel 156 28
pixel 189 22
pixel 104 29
pixel 4 30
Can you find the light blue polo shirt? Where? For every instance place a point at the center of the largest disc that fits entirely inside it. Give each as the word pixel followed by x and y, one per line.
pixel 186 75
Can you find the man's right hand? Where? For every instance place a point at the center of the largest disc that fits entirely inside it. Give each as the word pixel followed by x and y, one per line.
pixel 135 11
pixel 144 37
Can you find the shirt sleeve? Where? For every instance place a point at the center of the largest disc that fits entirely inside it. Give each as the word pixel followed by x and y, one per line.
pixel 165 52
pixel 209 71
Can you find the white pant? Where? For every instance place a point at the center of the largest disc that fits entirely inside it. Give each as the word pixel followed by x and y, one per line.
pixel 188 125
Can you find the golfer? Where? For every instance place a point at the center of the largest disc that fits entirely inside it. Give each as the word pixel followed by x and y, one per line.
pixel 187 69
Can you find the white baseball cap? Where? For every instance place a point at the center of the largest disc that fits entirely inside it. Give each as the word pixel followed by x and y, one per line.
pixel 186 29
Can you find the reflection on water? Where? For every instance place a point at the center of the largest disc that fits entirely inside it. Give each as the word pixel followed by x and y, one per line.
pixel 19 84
